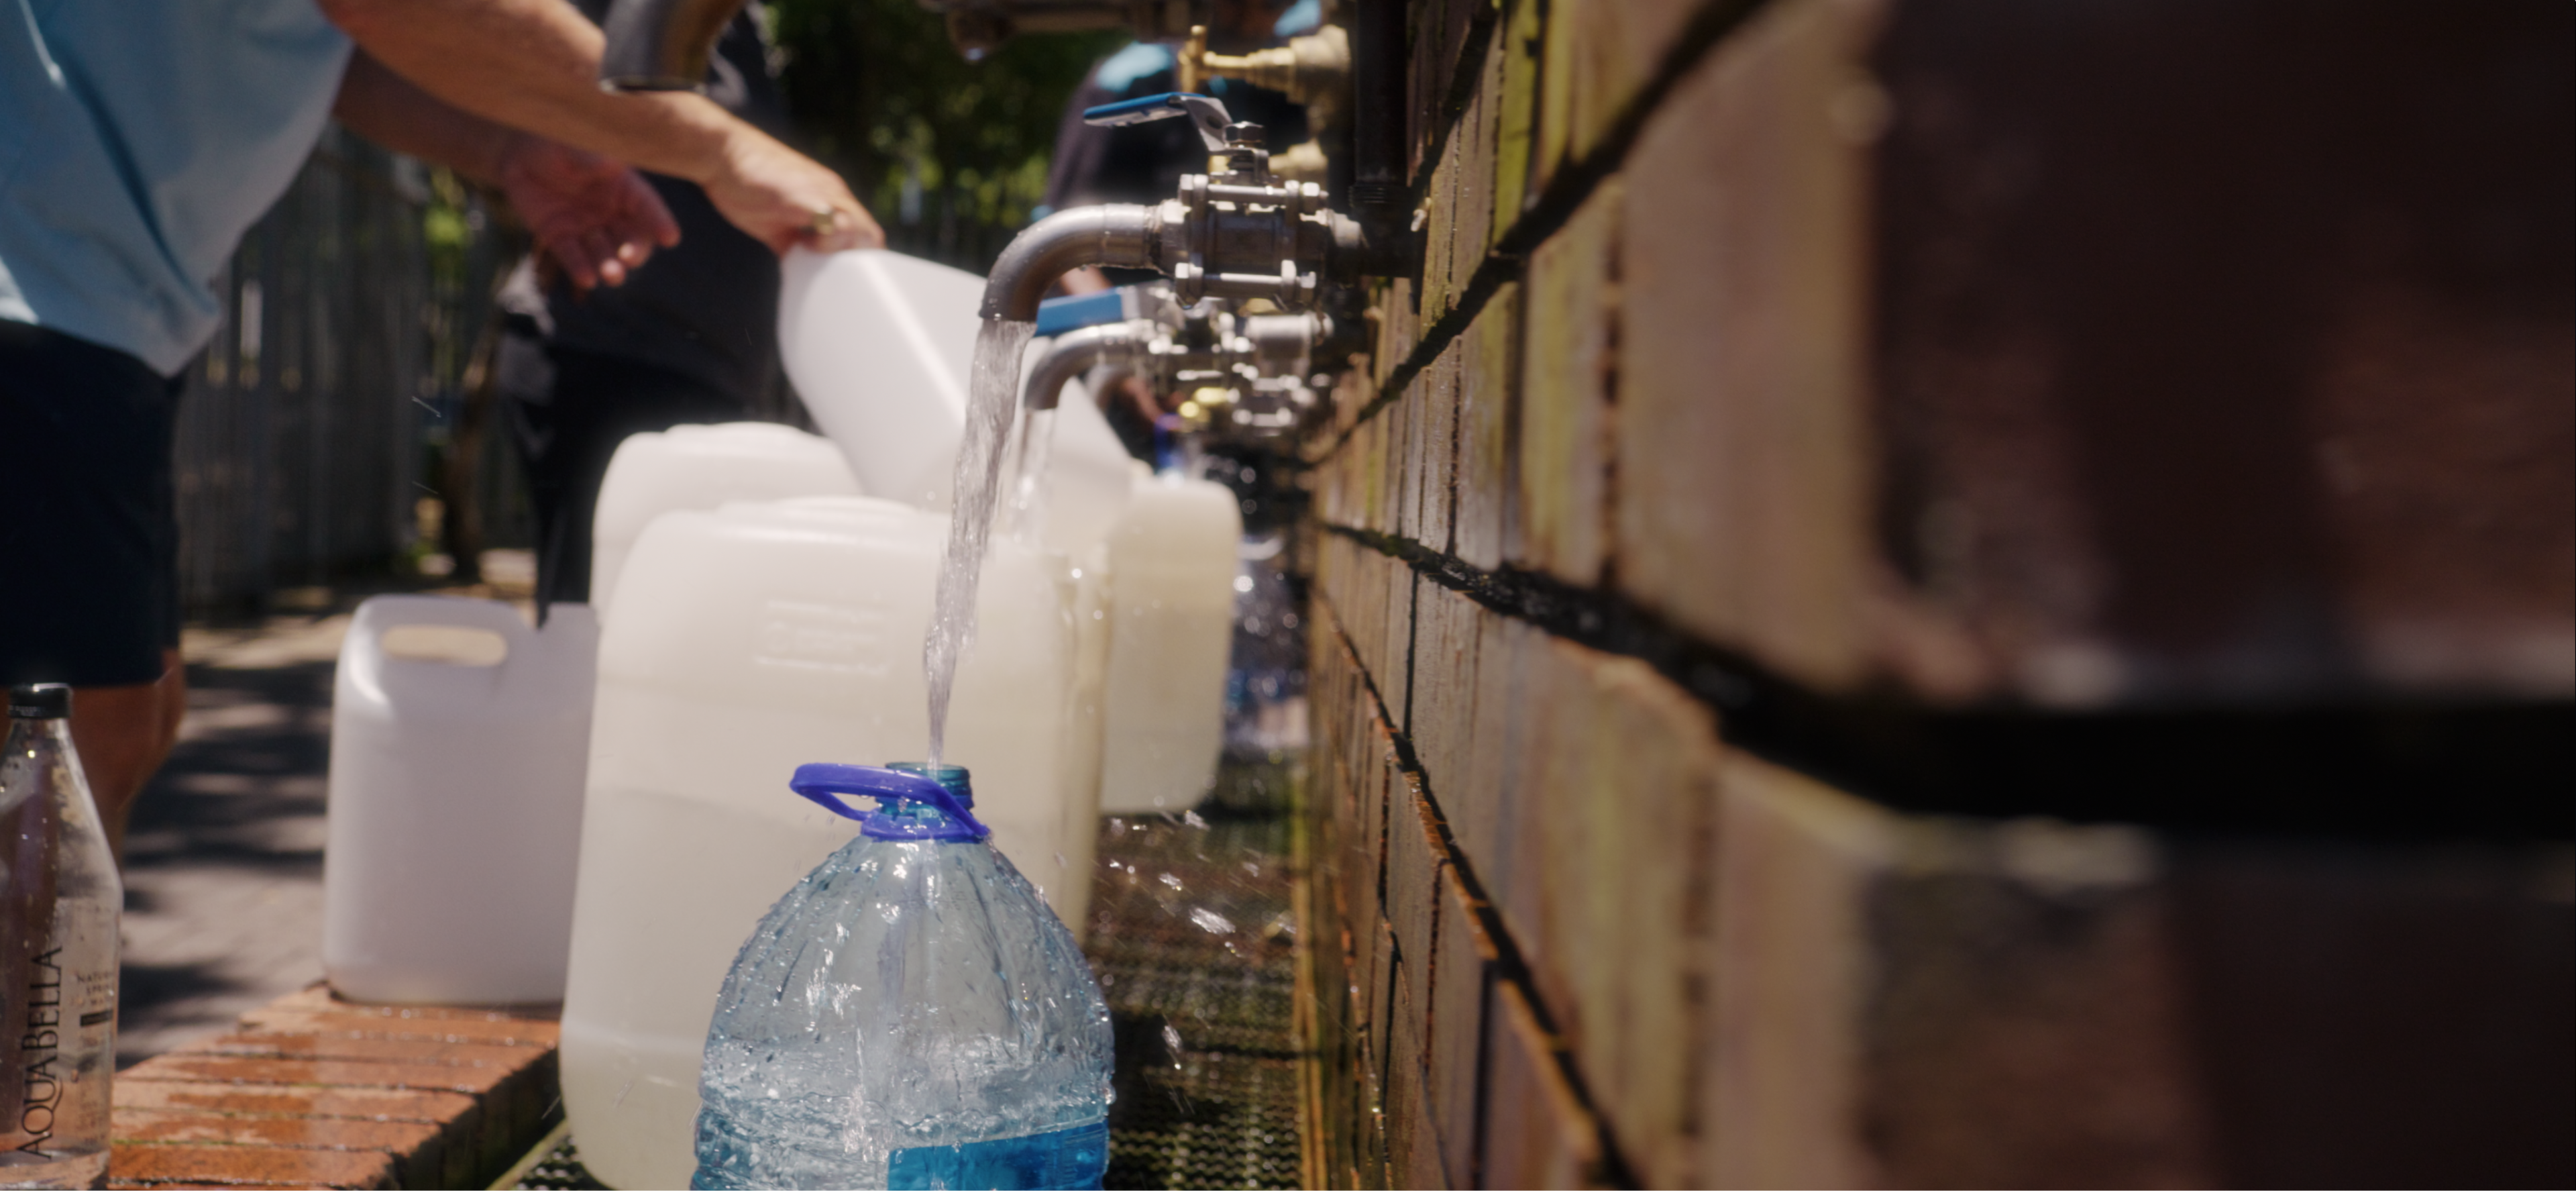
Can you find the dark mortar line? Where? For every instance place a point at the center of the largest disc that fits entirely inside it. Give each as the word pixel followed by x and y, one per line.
pixel 1489 279
pixel 1551 209
pixel 2356 768
pixel 1509 964
pixel 1462 93
pixel 1574 183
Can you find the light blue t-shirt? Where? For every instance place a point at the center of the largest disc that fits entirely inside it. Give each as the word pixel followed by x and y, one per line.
pixel 139 139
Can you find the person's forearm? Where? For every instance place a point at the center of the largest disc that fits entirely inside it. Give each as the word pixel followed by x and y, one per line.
pixel 385 108
pixel 534 64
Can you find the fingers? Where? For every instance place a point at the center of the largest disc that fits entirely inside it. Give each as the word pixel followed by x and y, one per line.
pixel 603 251
pixel 653 219
pixel 785 199
pixel 839 228
pixel 574 256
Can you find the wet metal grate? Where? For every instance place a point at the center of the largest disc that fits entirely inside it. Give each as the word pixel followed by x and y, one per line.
pixel 1193 935
pixel 559 1170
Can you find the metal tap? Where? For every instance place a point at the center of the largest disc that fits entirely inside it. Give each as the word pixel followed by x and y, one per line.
pixel 1240 233
pixel 1248 372
pixel 661 45
pixel 1314 70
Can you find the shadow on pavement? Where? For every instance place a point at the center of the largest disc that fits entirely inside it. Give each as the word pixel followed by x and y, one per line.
pixel 223 864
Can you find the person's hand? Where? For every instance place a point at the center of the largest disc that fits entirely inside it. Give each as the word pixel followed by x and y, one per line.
pixel 595 217
pixel 783 198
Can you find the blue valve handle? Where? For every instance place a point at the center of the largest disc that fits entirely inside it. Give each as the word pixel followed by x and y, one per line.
pixel 1207 111
pixel 1059 315
pixel 822 783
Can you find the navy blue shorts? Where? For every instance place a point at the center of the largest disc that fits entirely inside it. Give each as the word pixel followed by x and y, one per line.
pixel 89 535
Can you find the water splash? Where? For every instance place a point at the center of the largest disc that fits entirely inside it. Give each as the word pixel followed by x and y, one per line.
pixel 992 392
pixel 1032 449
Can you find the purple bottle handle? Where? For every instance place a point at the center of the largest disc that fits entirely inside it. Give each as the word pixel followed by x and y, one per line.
pixel 823 782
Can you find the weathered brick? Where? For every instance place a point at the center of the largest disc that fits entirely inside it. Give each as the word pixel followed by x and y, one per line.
pixel 415 1146
pixel 472 1081
pixel 1564 465
pixel 279 1019
pixel 1384 981
pixel 1536 1131
pixel 265 1165
pixel 1481 808
pixel 1440 282
pixel 1384 460
pixel 2389 1012
pixel 1598 54
pixel 2349 469
pixel 268 1044
pixel 318 998
pixel 1415 861
pixel 1919 1001
pixel 1447 625
pixel 122 1185
pixel 1516 110
pixel 1794 868
pixel 321 1133
pixel 1488 395
pixel 1552 135
pixel 1399 326
pixel 1353 390
pixel 1395 674
pixel 1611 914
pixel 1471 229
pixel 1431 665
pixel 1436 449
pixel 2026 1019
pixel 139 1092
pixel 1412 1133
pixel 1743 503
pixel 1458 993
pixel 1404 455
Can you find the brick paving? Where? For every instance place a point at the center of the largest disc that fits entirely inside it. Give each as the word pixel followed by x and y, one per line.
pixel 313 1091
pixel 223 859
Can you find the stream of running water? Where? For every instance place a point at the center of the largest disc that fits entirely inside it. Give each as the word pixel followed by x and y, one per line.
pixel 993 391
pixel 1031 450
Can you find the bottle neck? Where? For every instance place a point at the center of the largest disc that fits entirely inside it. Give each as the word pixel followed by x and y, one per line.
pixel 31 733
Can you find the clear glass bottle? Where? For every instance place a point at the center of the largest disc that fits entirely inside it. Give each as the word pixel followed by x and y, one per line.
pixel 911 1015
pixel 59 903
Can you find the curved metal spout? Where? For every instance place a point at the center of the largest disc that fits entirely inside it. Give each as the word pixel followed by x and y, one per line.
pixel 662 45
pixel 1121 235
pixel 1075 352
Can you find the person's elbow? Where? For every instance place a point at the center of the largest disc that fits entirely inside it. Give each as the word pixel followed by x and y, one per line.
pixel 363 20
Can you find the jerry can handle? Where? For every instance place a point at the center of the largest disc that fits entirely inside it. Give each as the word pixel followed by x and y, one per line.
pixel 823 782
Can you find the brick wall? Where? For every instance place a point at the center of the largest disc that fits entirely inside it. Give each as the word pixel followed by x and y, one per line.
pixel 1959 594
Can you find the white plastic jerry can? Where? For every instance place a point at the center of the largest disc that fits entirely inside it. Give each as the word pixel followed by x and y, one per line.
pixel 702 467
pixel 748 641
pixel 880 346
pixel 1171 574
pixel 458 739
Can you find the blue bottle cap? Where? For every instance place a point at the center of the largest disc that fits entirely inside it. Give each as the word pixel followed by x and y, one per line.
pixel 944 790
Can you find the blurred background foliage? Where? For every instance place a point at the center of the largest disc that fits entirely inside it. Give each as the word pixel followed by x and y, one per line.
pixel 949 155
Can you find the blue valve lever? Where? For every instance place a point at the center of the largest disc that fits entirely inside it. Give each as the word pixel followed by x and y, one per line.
pixel 1206 111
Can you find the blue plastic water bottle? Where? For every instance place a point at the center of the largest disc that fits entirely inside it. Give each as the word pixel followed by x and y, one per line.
pixel 910 1015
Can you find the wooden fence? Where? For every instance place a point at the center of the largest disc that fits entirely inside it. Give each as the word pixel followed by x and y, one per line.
pixel 303 435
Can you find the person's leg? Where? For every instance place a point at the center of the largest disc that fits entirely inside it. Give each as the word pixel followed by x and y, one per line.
pixel 123 733
pixel 89 535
